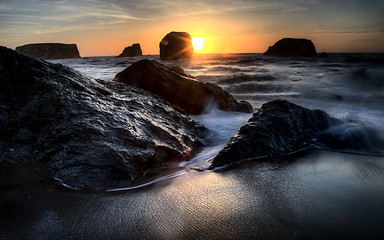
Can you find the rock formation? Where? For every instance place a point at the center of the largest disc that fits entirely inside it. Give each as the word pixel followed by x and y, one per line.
pixel 132 51
pixel 278 127
pixel 292 47
pixel 176 45
pixel 89 133
pixel 50 50
pixel 178 88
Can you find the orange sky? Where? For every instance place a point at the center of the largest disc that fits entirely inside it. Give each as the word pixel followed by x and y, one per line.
pixel 105 28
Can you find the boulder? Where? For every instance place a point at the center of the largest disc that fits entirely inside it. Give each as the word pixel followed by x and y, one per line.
pixel 89 133
pixel 176 45
pixel 50 50
pixel 323 54
pixel 132 51
pixel 278 127
pixel 292 47
pixel 178 88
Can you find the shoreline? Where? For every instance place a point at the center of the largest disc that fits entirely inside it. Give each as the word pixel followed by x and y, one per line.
pixel 320 194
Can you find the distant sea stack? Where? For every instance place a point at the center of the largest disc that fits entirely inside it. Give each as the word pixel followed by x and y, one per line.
pixel 132 51
pixel 50 50
pixel 176 45
pixel 292 47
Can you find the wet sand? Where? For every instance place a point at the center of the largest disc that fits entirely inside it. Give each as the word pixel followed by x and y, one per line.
pixel 309 195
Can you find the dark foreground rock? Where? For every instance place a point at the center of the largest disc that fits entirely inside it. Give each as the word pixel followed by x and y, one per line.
pixel 292 47
pixel 132 51
pixel 50 50
pixel 178 88
pixel 89 134
pixel 176 45
pixel 278 127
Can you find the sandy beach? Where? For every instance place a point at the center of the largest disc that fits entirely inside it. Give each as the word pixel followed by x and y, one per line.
pixel 309 195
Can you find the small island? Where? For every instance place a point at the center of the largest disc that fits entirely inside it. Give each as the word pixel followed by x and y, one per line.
pixel 132 51
pixel 292 47
pixel 50 50
pixel 176 45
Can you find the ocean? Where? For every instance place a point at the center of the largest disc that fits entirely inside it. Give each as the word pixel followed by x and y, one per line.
pixel 310 194
pixel 349 87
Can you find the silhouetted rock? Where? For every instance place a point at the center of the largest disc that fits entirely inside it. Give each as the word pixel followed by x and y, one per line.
pixel 50 50
pixel 176 45
pixel 178 88
pixel 132 51
pixel 292 47
pixel 89 133
pixel 323 54
pixel 278 127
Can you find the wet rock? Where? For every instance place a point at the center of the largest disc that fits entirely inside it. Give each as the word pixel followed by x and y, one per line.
pixel 323 54
pixel 176 45
pixel 278 127
pixel 50 50
pixel 132 51
pixel 292 47
pixel 178 88
pixel 89 133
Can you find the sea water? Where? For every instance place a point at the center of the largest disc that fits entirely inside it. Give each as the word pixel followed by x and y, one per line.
pixel 315 194
pixel 349 87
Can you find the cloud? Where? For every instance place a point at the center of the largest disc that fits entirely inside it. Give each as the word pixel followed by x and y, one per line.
pixel 347 31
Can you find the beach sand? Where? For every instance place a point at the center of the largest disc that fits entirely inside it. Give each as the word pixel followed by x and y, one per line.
pixel 308 195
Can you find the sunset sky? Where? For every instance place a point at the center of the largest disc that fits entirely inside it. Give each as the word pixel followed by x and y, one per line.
pixel 104 28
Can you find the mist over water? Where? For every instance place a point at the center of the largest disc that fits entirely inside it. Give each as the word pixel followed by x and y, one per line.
pixel 349 87
pixel 310 194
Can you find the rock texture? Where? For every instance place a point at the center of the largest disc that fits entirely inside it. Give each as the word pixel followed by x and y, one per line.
pixel 176 45
pixel 278 127
pixel 292 47
pixel 89 133
pixel 50 50
pixel 178 88
pixel 132 51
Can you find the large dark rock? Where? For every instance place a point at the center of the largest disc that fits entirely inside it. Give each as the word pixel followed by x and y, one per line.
pixel 50 50
pixel 176 45
pixel 132 51
pixel 89 133
pixel 178 88
pixel 278 127
pixel 292 47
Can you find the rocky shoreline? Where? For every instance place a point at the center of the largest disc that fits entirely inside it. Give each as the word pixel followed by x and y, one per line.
pixel 94 134
pixel 89 133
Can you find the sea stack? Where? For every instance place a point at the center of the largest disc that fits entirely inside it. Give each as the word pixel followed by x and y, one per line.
pixel 132 51
pixel 50 50
pixel 292 47
pixel 176 45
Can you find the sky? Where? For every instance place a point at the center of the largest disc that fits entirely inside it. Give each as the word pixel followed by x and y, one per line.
pixel 105 28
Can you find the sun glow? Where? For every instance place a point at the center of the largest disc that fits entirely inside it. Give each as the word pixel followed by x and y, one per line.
pixel 198 43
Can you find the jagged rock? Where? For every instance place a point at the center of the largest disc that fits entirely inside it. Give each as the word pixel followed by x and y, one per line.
pixel 323 54
pixel 132 51
pixel 278 127
pixel 178 88
pixel 89 133
pixel 176 45
pixel 292 47
pixel 50 50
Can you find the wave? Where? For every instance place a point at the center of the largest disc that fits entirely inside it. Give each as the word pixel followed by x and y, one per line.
pixel 352 137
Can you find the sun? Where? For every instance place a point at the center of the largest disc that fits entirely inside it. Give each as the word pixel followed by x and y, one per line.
pixel 198 43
